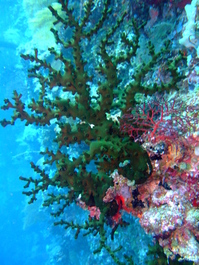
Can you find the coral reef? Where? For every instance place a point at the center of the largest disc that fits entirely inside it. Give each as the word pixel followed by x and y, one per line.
pixel 170 194
pixel 31 7
pixel 173 201
pixel 189 38
pixel 86 82
pixel 40 20
pixel 161 118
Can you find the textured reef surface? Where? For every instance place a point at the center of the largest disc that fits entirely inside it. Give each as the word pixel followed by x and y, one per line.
pixel 116 101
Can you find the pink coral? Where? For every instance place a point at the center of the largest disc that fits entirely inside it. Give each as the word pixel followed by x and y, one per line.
pixel 121 192
pixel 94 212
pixel 172 214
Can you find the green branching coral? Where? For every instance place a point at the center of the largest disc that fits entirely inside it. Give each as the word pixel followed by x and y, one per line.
pixel 107 147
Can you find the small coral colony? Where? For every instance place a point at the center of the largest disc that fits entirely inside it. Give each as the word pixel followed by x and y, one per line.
pixel 120 83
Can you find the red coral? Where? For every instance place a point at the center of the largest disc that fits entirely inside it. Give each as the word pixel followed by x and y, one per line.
pixel 121 193
pixel 183 3
pixel 159 120
pixel 120 202
pixel 178 3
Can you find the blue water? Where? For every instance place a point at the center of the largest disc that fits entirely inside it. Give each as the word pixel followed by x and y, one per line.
pixel 17 243
pixel 27 232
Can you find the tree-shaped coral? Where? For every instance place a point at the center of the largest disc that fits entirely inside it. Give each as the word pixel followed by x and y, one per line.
pixel 95 123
